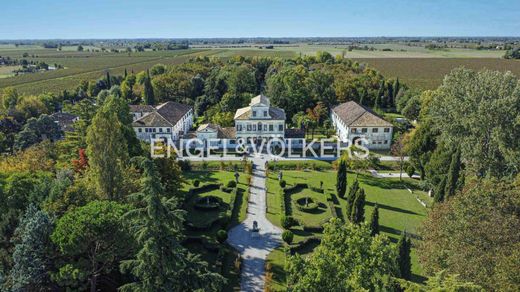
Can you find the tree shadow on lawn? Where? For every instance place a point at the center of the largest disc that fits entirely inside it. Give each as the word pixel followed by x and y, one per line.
pixel 202 176
pixel 386 183
pixel 383 228
pixel 418 278
pixel 391 208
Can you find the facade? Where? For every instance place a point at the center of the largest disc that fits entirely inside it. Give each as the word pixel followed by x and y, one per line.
pixel 168 120
pixel 216 136
pixel 260 120
pixel 353 121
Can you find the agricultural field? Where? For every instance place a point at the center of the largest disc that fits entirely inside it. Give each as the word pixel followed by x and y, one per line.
pixel 427 73
pixel 414 65
pixel 398 209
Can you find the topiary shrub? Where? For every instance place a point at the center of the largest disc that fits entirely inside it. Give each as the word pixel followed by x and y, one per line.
pixel 288 221
pixel 306 204
pixel 208 203
pixel 222 236
pixel 282 183
pixel 231 184
pixel 287 236
pixel 196 183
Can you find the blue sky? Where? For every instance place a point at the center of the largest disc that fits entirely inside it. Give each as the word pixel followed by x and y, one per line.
pixel 23 19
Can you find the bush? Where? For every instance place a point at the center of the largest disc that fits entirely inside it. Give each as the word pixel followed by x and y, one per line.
pixel 287 236
pixel 208 203
pixel 410 170
pixel 231 184
pixel 222 236
pixel 185 165
pixel 196 183
pixel 288 222
pixel 283 183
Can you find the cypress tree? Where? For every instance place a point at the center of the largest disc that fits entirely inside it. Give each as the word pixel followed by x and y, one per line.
pixel 109 82
pixel 351 197
pixel 126 74
pixel 403 257
pixel 397 87
pixel 440 190
pixel 341 178
pixel 358 209
pixel 374 221
pixel 453 175
pixel 148 95
pixel 390 96
pixel 380 96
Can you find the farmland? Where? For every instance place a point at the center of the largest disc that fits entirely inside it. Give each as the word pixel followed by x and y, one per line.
pixel 416 66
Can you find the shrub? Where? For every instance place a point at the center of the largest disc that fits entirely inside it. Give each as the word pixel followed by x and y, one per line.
pixel 231 184
pixel 288 222
pixel 410 170
pixel 222 236
pixel 185 165
pixel 208 203
pixel 306 204
pixel 196 183
pixel 287 236
pixel 282 183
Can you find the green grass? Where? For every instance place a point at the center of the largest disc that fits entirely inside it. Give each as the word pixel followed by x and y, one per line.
pixel 398 209
pixel 198 217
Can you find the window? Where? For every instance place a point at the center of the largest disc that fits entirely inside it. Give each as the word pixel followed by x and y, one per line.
pixel 254 113
pixel 387 130
pixel 271 128
pixel 254 127
pixel 386 141
pixel 160 130
pixel 379 142
pixel 363 130
pixel 140 130
pixel 168 130
pixel 280 127
pixel 146 130
pixel 265 113
pixel 353 130
pixel 154 130
pixel 375 130
pixel 265 127
pixel 248 127
pixel 259 126
pixel 373 142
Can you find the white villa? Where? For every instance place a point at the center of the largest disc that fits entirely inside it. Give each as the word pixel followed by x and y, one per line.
pixel 260 120
pixel 169 120
pixel 353 121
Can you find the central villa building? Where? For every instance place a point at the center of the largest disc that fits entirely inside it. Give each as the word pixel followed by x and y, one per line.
pixel 258 121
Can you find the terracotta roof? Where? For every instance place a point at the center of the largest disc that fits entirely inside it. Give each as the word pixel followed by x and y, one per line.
pixel 227 133
pixel 152 120
pixel 355 115
pixel 207 126
pixel 164 115
pixel 274 113
pixel 144 108
pixel 64 120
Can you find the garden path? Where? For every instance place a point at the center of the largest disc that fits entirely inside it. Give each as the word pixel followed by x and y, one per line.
pixel 255 246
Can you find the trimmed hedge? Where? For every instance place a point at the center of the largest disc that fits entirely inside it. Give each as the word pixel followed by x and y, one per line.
pixel 300 165
pixel 310 206
pixel 297 247
pixel 317 190
pixel 201 203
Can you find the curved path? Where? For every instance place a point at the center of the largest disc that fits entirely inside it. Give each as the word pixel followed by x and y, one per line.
pixel 254 247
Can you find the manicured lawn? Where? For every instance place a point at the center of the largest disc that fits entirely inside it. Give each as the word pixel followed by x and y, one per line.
pixel 398 208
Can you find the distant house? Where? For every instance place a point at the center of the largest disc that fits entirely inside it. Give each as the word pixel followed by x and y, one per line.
pixel 168 120
pixel 353 121
pixel 260 120
pixel 65 121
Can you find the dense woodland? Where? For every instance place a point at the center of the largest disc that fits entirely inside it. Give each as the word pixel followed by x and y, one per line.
pixel 92 211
